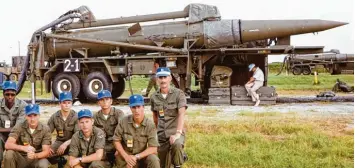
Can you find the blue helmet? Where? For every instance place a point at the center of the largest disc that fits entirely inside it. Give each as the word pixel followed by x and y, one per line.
pixel 32 109
pixel 104 94
pixel 65 96
pixel 136 100
pixel 84 113
pixel 163 71
pixel 251 66
pixel 9 85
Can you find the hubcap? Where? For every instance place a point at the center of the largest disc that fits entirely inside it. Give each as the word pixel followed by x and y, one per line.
pixel 64 85
pixel 95 86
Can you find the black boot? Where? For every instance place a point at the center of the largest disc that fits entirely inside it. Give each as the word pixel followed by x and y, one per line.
pixel 61 163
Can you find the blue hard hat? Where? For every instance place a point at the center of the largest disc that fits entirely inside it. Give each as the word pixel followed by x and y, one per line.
pixel 136 100
pixel 9 85
pixel 251 66
pixel 32 109
pixel 104 94
pixel 65 96
pixel 84 113
pixel 163 71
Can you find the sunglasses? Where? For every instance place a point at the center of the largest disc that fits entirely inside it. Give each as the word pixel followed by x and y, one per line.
pixel 10 94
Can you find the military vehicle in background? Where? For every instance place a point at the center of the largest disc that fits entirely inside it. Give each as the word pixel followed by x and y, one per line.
pixel 83 55
pixel 12 72
pixel 333 61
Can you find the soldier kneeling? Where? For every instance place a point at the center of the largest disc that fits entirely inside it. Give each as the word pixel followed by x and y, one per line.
pixel 132 135
pixel 87 145
pixel 29 142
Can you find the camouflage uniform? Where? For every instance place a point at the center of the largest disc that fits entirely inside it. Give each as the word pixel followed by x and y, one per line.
pixel 21 132
pixel 168 110
pixel 134 140
pixel 108 126
pixel 80 147
pixel 14 115
pixel 65 130
pixel 152 80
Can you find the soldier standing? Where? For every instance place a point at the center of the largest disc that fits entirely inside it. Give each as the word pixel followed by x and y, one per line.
pixel 136 138
pixel 29 142
pixel 12 111
pixel 87 144
pixel 65 122
pixel 153 80
pixel 254 83
pixel 107 119
pixel 169 107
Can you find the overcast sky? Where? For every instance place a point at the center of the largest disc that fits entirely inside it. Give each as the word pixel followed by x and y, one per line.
pixel 20 18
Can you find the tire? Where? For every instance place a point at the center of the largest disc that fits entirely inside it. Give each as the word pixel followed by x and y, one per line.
pixel 335 69
pixel 13 77
pixel 118 88
pixel 296 70
pixel 66 82
pixel 306 71
pixel 94 83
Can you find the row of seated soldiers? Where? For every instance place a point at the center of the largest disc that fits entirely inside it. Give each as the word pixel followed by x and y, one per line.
pixel 107 138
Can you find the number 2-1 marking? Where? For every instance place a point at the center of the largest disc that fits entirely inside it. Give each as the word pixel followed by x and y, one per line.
pixel 71 65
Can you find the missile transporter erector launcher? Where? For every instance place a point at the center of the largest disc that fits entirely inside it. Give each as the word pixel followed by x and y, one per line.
pixel 333 61
pixel 83 55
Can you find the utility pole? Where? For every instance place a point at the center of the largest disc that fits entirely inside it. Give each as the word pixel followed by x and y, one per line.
pixel 19 53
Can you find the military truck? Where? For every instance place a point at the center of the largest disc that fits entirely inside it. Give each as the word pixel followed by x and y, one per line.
pixel 12 72
pixel 333 61
pixel 83 55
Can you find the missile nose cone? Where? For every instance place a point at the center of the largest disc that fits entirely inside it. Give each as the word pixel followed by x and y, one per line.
pixel 322 25
pixel 263 29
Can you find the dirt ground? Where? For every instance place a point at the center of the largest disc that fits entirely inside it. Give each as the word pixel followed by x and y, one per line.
pixel 325 109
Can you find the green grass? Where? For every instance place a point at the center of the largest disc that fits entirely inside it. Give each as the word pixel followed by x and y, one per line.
pixel 305 82
pixel 262 142
pixel 269 139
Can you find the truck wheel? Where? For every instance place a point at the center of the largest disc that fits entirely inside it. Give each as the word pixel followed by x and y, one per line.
pixel 335 69
pixel 94 83
pixel 306 71
pixel 296 70
pixel 118 88
pixel 13 77
pixel 66 82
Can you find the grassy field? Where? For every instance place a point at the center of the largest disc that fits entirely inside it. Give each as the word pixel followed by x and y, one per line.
pixel 305 82
pixel 283 84
pixel 269 140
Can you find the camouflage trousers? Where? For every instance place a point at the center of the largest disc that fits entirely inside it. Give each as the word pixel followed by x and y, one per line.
pixel 151 161
pixel 14 159
pixel 171 154
pixel 152 82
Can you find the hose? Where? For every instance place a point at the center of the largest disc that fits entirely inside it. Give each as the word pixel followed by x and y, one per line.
pixel 282 66
pixel 23 75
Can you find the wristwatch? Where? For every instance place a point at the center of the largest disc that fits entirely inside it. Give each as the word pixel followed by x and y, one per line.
pixel 80 159
pixel 137 156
